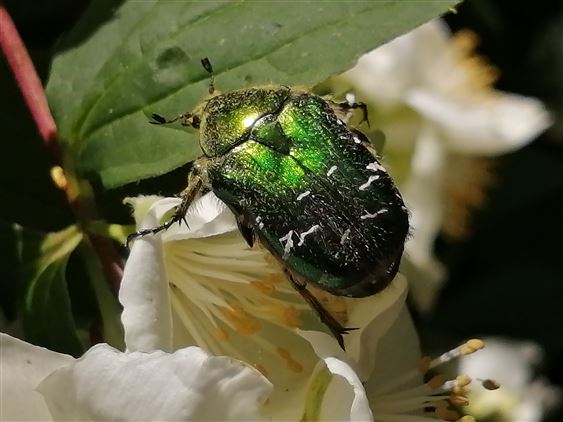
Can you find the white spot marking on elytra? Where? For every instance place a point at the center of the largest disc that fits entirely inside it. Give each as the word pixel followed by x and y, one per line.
pixel 331 170
pixel 303 195
pixel 344 236
pixel 288 243
pixel 307 233
pixel 259 221
pixel 375 214
pixel 375 166
pixel 371 179
pixel 340 122
pixel 357 140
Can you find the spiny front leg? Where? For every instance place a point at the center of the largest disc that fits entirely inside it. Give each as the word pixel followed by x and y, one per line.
pixel 325 316
pixel 188 195
pixel 347 107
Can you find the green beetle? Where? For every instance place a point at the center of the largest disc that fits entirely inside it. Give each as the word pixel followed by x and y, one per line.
pixel 309 188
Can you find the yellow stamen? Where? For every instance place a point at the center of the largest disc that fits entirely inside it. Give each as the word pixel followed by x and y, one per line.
pixel 471 346
pixel 465 190
pixel 458 400
pixel 436 382
pixel 423 364
pixel 291 316
pixel 264 287
pixel 447 414
pixel 463 380
pixel 220 334
pixel 58 177
pixel 242 321
pixel 291 363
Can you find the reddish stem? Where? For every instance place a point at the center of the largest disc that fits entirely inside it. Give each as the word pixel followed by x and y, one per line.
pixel 34 95
pixel 29 83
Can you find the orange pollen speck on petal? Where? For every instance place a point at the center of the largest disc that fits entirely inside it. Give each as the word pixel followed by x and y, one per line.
pixel 220 334
pixel 423 364
pixel 291 316
pixel 436 381
pixel 276 278
pixel 241 321
pixel 291 363
pixel 447 414
pixel 264 287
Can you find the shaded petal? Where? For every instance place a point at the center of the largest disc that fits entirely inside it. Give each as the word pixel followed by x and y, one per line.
pixel 398 352
pixel 144 293
pixel 384 75
pixel 482 125
pixel 423 195
pixel 22 367
pixel 187 385
pixel 374 316
pixel 207 216
pixel 345 398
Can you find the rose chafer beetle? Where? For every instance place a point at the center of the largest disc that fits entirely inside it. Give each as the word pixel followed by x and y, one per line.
pixel 301 182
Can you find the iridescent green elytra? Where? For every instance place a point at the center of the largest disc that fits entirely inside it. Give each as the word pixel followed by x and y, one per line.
pixel 303 183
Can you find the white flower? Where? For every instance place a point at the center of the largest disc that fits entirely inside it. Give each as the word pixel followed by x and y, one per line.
pixel 218 293
pixel 202 285
pixel 105 384
pixel 520 396
pixel 433 100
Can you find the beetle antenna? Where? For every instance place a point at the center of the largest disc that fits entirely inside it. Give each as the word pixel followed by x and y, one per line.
pixel 207 66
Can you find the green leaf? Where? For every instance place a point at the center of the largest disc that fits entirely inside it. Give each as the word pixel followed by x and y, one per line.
pixel 147 59
pixel 47 315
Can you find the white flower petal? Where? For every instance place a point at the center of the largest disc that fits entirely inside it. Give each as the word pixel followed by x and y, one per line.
pixel 22 367
pixel 106 384
pixel 397 352
pixel 373 316
pixel 488 125
pixel 345 398
pixel 230 299
pixel 427 277
pixel 207 216
pixel 384 75
pixel 423 195
pixel 145 298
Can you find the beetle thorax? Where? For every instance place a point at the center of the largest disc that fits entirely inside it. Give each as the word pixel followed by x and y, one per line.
pixel 228 119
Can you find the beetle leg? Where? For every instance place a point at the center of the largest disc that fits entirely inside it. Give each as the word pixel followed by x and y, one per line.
pixel 185 119
pixel 325 316
pixel 188 195
pixel 209 69
pixel 346 108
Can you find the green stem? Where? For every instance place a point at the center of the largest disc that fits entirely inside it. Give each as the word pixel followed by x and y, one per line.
pixel 110 310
